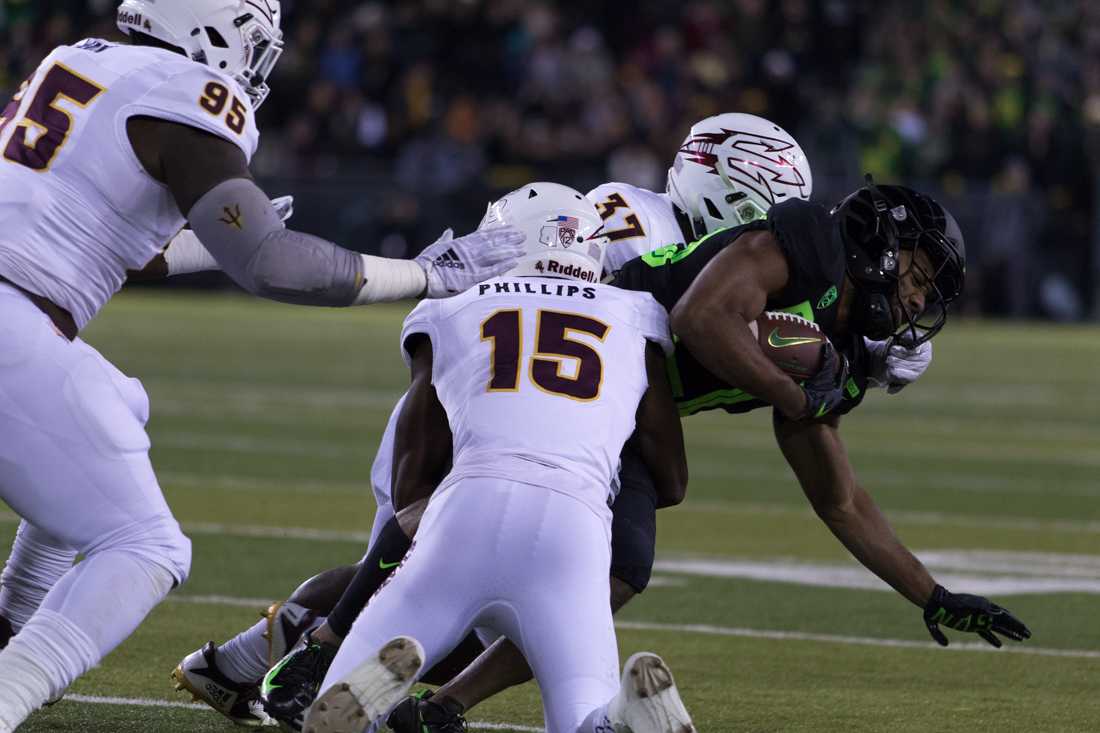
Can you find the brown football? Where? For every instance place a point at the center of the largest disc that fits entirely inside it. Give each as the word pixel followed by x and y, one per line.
pixel 793 344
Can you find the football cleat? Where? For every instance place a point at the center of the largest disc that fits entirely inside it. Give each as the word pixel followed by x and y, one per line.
pixel 286 622
pixel 648 701
pixel 420 714
pixel 370 691
pixel 292 684
pixel 198 674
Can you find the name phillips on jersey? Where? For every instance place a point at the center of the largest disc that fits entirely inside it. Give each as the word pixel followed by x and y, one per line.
pixel 562 290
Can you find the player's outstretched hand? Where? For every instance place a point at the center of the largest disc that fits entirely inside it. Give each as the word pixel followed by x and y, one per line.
pixel 454 265
pixel 825 390
pixel 964 612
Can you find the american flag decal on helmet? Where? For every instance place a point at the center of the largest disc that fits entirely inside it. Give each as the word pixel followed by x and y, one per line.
pixel 567 230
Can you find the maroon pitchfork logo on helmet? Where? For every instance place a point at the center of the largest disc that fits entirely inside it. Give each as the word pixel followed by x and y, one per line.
pixel 760 160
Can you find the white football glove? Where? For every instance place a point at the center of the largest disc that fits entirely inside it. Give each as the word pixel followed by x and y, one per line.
pixel 896 366
pixel 454 265
pixel 284 207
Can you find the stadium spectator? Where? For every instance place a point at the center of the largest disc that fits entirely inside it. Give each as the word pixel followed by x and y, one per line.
pixel 995 106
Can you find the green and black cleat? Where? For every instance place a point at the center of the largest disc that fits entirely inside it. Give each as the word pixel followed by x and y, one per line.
pixel 290 687
pixel 420 714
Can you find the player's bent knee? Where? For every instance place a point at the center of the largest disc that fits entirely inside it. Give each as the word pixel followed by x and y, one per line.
pixel 158 541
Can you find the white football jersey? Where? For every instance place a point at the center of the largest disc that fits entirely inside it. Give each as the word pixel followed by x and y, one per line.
pixel 541 379
pixel 636 221
pixel 76 207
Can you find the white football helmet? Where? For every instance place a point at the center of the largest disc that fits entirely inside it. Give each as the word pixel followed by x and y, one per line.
pixel 732 168
pixel 240 38
pixel 562 228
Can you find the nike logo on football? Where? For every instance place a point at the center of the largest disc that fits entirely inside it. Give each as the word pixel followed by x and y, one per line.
pixel 387 565
pixel 780 342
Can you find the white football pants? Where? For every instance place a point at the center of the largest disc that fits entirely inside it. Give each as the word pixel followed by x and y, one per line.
pixel 527 562
pixel 74 462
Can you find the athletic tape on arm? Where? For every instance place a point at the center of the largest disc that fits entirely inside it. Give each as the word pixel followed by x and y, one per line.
pixel 185 254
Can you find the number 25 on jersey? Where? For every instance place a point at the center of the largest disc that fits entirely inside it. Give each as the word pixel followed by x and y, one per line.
pixel 554 348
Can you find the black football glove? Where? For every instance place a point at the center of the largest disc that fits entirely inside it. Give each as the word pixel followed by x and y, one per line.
pixel 964 612
pixel 825 390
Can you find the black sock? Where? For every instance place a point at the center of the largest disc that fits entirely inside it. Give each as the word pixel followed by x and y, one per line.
pixel 386 554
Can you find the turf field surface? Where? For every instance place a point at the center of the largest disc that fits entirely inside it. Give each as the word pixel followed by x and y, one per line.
pixel 266 417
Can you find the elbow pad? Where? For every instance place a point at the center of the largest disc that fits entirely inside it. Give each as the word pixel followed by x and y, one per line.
pixel 238 225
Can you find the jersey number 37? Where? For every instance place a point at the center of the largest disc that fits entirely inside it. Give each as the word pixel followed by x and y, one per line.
pixel 554 349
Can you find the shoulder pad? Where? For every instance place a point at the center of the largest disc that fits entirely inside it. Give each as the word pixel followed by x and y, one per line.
pixel 192 94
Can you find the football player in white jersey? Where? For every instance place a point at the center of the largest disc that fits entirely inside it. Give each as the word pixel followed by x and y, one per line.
pixel 504 377
pixel 107 151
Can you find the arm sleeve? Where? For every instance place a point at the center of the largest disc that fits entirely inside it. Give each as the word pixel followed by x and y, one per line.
pixel 237 224
pixel 197 96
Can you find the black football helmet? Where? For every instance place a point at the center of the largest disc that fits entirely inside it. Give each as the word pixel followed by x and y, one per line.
pixel 876 224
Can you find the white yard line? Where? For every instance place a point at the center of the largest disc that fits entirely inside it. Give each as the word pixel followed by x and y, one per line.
pixel 903 517
pixel 151 703
pixel 266 532
pixel 259 604
pixel 898 517
pixel 853 640
pixel 702 507
pixel 774 634
pixel 983 571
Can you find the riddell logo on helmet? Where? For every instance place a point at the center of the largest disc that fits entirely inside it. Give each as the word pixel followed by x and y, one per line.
pixel 125 17
pixel 554 268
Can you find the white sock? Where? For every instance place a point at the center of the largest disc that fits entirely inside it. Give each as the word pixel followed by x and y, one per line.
pixel 88 613
pixel 36 563
pixel 47 655
pixel 244 657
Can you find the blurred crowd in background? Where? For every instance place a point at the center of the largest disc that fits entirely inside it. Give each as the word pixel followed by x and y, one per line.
pixel 392 120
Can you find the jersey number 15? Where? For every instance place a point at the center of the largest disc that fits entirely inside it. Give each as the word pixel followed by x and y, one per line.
pixel 553 346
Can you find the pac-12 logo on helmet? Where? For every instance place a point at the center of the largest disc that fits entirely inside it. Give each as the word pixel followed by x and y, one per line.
pixel 560 232
pixel 732 168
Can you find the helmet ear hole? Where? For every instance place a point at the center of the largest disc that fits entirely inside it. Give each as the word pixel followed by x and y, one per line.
pixel 216 39
pixel 712 209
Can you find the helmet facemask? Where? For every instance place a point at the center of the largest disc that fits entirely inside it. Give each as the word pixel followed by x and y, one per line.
pixel 263 46
pixel 936 265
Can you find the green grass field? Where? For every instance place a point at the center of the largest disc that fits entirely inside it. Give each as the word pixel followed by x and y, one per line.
pixel 265 421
